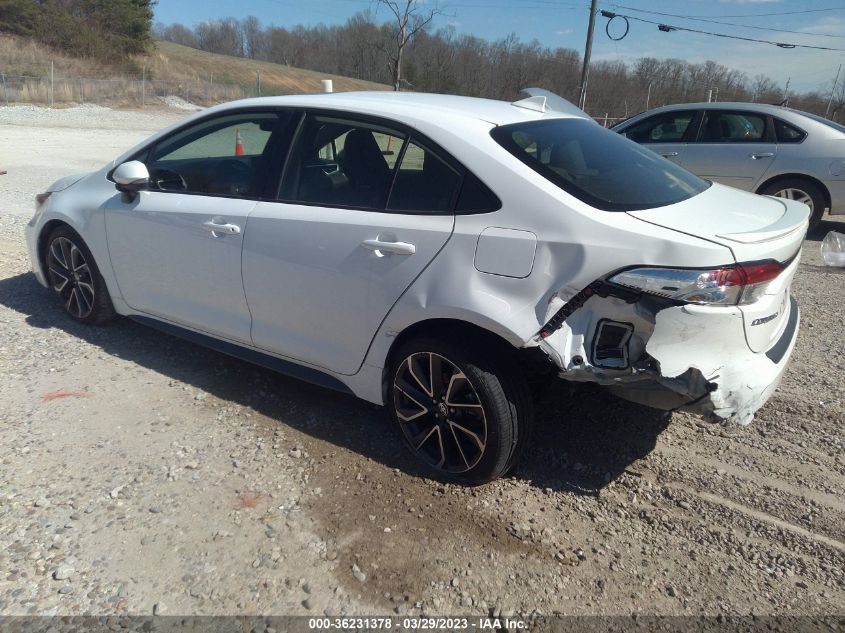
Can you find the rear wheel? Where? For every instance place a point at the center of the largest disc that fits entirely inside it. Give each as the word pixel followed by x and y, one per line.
pixel 74 277
pixel 462 412
pixel 802 191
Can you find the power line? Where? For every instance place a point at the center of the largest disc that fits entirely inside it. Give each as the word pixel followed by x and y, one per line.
pixel 744 26
pixel 532 4
pixel 766 15
pixel 667 28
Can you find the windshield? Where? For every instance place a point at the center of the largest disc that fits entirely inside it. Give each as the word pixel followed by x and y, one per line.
pixel 597 166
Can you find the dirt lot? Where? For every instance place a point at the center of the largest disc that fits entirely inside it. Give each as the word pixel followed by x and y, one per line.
pixel 174 478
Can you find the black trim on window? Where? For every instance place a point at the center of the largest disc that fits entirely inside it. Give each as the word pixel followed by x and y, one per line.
pixel 694 127
pixel 396 167
pixel 476 197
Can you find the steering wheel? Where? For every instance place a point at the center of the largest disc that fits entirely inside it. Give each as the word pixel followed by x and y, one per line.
pixel 167 180
pixel 232 176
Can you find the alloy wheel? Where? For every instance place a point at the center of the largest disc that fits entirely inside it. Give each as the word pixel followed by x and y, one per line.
pixel 440 412
pixel 70 276
pixel 798 195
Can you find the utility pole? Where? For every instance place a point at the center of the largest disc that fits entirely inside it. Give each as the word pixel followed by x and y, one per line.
pixel 832 91
pixel 588 51
pixel 786 92
pixel 648 96
pixel 143 86
pixel 258 81
pixel 52 83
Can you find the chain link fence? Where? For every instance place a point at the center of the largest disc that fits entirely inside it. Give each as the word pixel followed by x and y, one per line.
pixel 47 90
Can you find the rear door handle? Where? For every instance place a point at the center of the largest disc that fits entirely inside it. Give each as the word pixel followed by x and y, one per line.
pixel 400 248
pixel 669 154
pixel 223 229
pixel 760 155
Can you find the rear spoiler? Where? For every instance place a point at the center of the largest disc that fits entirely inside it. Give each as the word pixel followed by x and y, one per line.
pixel 543 100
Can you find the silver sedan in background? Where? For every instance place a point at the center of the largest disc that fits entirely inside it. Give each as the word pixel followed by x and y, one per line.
pixel 770 150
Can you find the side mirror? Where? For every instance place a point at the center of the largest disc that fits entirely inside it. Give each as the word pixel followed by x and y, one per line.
pixel 131 177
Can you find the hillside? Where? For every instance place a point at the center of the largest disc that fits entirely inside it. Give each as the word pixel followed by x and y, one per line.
pixel 170 69
pixel 172 61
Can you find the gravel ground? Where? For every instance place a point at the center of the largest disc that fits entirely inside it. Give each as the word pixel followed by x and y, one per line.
pixel 173 479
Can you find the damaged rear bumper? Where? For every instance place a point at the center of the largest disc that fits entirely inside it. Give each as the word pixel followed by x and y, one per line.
pixel 676 357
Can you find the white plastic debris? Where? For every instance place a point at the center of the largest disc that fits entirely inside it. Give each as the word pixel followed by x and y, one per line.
pixel 833 249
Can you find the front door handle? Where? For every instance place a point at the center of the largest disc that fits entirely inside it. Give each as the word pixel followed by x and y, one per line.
pixel 760 155
pixel 222 229
pixel 669 154
pixel 400 248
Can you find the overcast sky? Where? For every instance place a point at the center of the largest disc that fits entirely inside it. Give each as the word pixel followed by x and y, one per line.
pixel 564 23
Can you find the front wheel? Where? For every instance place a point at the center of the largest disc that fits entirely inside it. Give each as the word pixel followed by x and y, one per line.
pixel 461 411
pixel 802 191
pixel 75 278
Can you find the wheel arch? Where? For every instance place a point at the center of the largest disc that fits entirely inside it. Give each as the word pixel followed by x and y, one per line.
pixel 797 176
pixel 451 329
pixel 46 230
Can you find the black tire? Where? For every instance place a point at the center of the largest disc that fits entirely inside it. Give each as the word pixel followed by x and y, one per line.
pixel 807 187
pixel 476 375
pixel 74 276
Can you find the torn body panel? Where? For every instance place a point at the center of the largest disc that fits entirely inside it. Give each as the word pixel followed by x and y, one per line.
pixel 689 357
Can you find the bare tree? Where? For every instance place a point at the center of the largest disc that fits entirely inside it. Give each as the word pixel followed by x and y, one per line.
pixel 765 90
pixel 410 20
pixel 220 36
pixel 178 34
pixel 403 52
pixel 253 35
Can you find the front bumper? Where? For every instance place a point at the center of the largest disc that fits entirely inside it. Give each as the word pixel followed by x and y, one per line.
pixel 31 232
pixel 691 358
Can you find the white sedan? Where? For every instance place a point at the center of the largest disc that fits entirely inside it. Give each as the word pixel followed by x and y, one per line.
pixel 437 255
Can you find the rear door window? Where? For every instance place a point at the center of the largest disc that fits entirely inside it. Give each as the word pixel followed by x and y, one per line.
pixel 598 166
pixel 722 126
pixel 343 163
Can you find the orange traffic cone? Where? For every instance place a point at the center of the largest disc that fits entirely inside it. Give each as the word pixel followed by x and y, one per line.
pixel 239 144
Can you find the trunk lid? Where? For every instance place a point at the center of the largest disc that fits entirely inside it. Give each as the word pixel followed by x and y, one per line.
pixel 754 228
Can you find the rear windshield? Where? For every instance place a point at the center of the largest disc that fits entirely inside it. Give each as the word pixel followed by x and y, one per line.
pixel 836 126
pixel 600 167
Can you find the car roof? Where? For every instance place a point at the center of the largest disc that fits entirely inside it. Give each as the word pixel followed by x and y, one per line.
pixel 805 120
pixel 410 105
pixel 765 108
pixel 727 105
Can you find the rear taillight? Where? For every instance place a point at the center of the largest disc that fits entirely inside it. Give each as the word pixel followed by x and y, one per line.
pixel 757 278
pixel 730 285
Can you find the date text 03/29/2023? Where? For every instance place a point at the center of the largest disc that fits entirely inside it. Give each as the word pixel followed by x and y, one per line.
pixel 415 624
